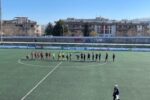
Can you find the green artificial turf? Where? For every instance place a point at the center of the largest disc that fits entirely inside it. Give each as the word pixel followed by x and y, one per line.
pixel 74 80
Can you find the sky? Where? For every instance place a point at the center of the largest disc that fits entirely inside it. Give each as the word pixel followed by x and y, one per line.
pixel 45 11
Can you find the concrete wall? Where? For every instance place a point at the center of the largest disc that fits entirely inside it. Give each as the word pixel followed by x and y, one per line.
pixel 124 40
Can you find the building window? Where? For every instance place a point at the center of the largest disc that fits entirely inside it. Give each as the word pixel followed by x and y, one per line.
pixel 32 26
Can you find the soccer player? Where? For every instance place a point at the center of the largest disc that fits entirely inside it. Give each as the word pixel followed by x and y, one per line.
pixel 49 55
pixel 81 56
pixel 46 55
pixel 41 55
pixel 27 57
pixel 32 55
pixel 38 55
pixel 59 56
pixel 77 57
pixel 99 56
pixel 67 57
pixel 70 56
pixel 53 56
pixel 93 56
pixel 96 57
pixel 63 56
pixel 88 57
pixel 84 57
pixel 116 93
pixel 113 57
pixel 35 55
pixel 106 57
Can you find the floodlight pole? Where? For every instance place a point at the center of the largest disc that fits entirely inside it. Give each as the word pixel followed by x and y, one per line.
pixel 1 30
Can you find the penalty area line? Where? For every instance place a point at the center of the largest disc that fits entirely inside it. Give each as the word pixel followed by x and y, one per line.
pixel 28 93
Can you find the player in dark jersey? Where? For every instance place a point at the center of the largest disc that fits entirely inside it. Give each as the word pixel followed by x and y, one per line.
pixel 41 55
pixel 49 55
pixel 88 56
pixel 84 57
pixel 113 57
pixel 78 57
pixel 106 57
pixel 96 57
pixel 70 56
pixel 81 56
pixel 46 55
pixel 93 56
pixel 63 56
pixel 27 57
pixel 116 93
pixel 67 57
pixel 99 56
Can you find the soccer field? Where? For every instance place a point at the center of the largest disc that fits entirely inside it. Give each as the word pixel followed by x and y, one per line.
pixel 62 80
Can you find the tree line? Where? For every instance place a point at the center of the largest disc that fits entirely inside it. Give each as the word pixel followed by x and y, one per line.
pixel 57 30
pixel 60 29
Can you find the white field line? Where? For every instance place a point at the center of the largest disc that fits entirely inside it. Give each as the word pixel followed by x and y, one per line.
pixel 20 62
pixel 23 98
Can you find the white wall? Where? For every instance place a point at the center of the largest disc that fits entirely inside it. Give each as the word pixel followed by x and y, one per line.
pixel 113 30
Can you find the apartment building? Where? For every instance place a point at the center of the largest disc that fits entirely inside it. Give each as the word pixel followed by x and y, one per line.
pixel 108 28
pixel 21 26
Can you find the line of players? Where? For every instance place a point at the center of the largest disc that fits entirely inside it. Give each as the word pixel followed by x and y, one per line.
pixel 46 55
pixel 39 55
pixel 68 56
pixel 93 57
